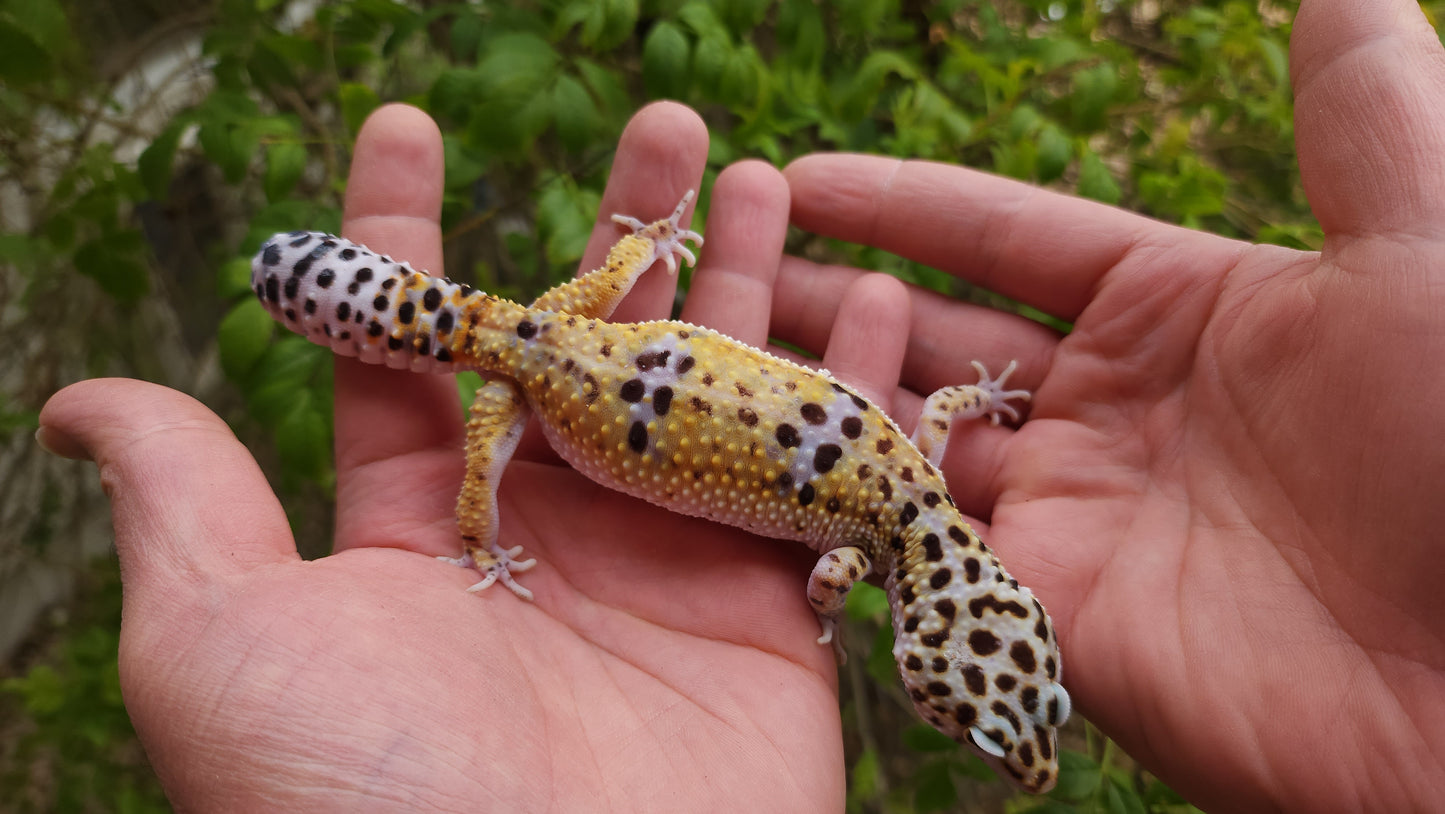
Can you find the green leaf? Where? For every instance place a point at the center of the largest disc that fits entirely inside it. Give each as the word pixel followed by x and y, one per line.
pixel 574 113
pixel 357 102
pixel 285 162
pixel 881 665
pixel 1120 798
pixel 233 279
pixel 243 337
pixel 866 776
pixel 116 261
pixel 665 55
pixel 564 219
pixel 156 161
pixel 1079 776
pixel 1095 180
pixel 304 439
pixel 934 790
pixel 1054 153
pixel 466 32
pixel 924 738
pixel 22 59
pixel 867 602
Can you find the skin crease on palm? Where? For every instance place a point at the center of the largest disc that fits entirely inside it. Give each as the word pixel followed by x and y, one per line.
pixel 1227 494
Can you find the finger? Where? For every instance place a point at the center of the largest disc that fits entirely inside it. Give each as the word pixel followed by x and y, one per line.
pixel 944 336
pixel 865 349
pixel 395 430
pixel 1038 247
pixel 747 224
pixel 1369 83
pixel 660 156
pixel 190 506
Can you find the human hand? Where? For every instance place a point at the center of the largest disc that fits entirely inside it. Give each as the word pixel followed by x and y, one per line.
pixel 667 662
pixel 1228 491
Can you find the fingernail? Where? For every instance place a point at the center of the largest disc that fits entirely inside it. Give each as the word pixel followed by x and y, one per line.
pixel 59 444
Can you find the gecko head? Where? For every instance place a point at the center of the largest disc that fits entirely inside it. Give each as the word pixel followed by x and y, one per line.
pixel 982 667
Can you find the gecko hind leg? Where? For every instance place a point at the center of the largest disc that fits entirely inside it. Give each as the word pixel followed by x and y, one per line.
pixel 988 399
pixel 494 427
pixel 828 588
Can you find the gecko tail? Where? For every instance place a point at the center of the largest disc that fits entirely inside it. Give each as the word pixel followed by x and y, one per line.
pixel 358 303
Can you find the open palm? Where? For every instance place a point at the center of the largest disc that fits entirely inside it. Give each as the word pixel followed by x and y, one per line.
pixel 666 662
pixel 1228 488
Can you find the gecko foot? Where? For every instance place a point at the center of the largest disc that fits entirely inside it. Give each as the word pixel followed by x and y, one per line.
pixel 833 633
pixel 498 565
pixel 998 396
pixel 667 236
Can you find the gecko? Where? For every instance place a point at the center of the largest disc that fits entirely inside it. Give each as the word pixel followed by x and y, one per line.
pixel 691 420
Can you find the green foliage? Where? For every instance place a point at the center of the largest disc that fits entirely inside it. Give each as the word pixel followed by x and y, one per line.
pixel 73 748
pixel 1177 109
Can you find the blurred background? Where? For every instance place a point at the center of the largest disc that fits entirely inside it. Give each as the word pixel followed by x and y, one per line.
pixel 147 147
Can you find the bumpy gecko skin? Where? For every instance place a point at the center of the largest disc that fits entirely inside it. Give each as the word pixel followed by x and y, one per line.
pixel 690 420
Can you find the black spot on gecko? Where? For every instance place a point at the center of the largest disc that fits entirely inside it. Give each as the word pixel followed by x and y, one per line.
pixel 271 255
pixel 273 290
pixel 1026 754
pixel 362 274
pixel 932 548
pixel 590 388
pixel 931 499
pixel 743 390
pixel 884 446
pixel 983 642
pixel 637 436
pixel 1041 628
pixel 700 406
pixel 685 364
pixel 785 480
pixel 959 535
pixel 291 314
pixel 310 307
pixel 1006 682
pixel 445 321
pixel 813 413
pixel 1029 698
pixel 857 400
pixel 343 311
pixel 939 688
pixel 806 494
pixel 913 662
pixel 648 361
pixel 906 474
pixel 302 238
pixel 632 390
pixel 374 328
pixel 1001 709
pixel 978 605
pixel 388 284
pixel 1046 746
pixel 864 470
pixel 406 312
pixel 662 400
pixel 444 355
pixel 936 639
pixel 971 569
pixel 423 345
pixel 393 342
pixel 347 254
pixel 1050 668
pixel 885 486
pixel 748 417
pixel 911 624
pixel 380 303
pixel 940 578
pixel 826 456
pixel 525 329
pixel 974 679
pixel 940 664
pixel 852 426
pixel 833 505
pixel 966 714
pixel 908 515
pixel 787 436
pixel 432 300
pixel 325 278
pixel 946 608
pixel 354 288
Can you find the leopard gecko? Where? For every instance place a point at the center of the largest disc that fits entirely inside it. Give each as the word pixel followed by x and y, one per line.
pixel 693 421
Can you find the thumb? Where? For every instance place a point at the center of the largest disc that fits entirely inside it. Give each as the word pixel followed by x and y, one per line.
pixel 1369 83
pixel 189 504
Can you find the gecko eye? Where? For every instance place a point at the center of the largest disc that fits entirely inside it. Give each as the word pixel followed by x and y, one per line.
pixel 1061 706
